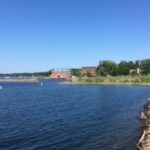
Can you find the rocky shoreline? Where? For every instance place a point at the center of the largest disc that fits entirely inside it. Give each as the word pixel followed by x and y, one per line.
pixel 144 142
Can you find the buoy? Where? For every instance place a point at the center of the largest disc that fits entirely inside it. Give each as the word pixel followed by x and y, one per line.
pixel 41 84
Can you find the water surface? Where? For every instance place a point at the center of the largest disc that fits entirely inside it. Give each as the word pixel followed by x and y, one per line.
pixel 70 117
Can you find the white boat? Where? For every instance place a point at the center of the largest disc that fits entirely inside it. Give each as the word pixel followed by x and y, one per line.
pixel 1 87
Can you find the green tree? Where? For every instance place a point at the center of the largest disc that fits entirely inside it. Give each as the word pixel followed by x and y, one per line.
pixel 107 67
pixel 131 65
pixel 75 72
pixel 123 68
pixel 88 74
pixel 145 66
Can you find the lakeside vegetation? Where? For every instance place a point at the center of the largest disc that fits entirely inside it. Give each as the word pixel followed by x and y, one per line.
pixel 109 72
pixel 130 80
pixel 108 67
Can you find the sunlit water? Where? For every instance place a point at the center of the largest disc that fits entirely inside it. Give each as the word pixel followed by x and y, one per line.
pixel 70 117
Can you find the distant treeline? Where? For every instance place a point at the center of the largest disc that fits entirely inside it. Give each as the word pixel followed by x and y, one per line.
pixel 36 74
pixel 108 67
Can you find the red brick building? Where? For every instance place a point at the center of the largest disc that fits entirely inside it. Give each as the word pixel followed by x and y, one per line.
pixel 88 70
pixel 60 75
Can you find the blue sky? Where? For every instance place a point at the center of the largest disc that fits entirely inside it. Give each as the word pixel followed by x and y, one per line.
pixel 37 35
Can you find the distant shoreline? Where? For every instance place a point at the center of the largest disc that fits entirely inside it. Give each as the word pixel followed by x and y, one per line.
pixel 28 80
pixel 107 83
pixel 119 80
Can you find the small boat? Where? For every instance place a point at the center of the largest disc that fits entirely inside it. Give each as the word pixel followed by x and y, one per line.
pixel 1 87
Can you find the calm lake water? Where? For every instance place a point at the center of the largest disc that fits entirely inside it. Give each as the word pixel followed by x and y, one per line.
pixel 70 117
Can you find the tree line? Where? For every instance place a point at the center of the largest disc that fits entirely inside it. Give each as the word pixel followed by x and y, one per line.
pixel 36 74
pixel 108 67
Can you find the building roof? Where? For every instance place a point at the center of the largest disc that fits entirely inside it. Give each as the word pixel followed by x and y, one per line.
pixel 90 67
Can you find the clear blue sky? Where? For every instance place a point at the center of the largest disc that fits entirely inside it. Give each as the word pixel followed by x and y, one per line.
pixel 37 35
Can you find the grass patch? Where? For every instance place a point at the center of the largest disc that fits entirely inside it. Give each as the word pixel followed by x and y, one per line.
pixel 140 80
